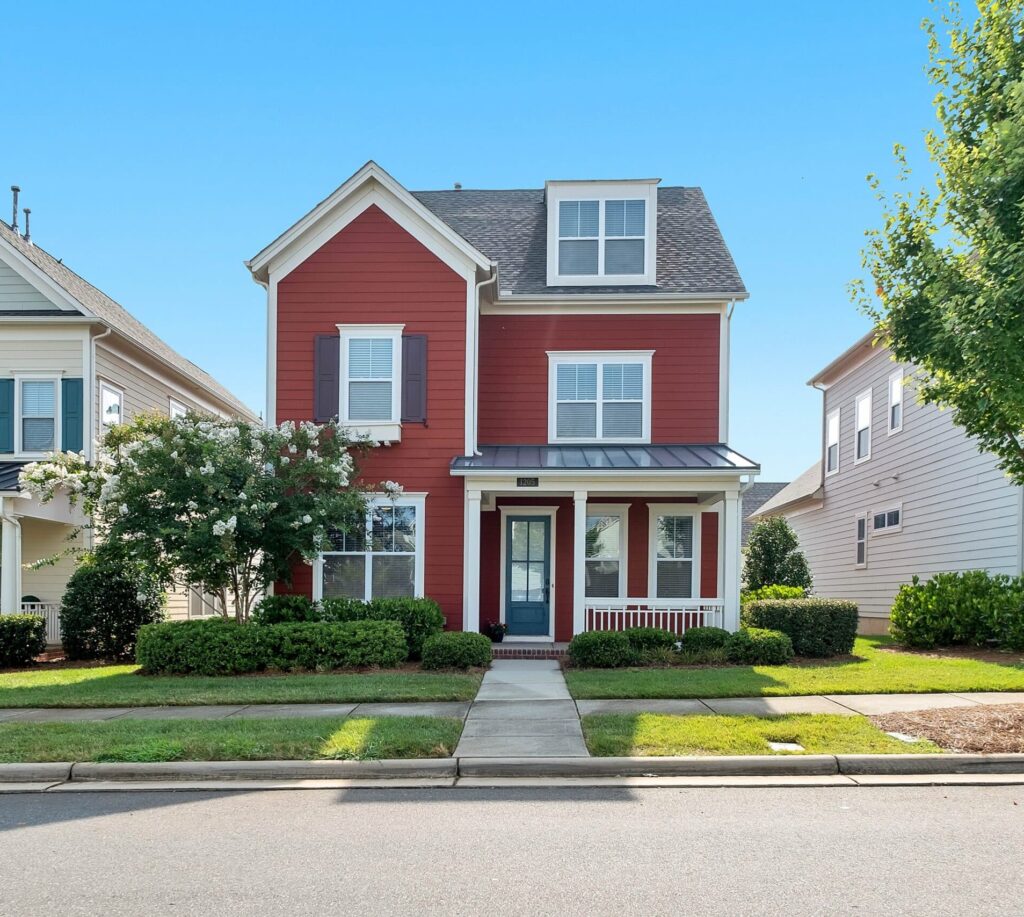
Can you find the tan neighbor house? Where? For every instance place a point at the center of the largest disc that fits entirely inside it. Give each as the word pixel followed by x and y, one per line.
pixel 72 362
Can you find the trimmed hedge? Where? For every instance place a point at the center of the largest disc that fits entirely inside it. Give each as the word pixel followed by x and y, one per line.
pixel 975 608
pixel 771 592
pixel 756 646
pixel 456 650
pixel 285 609
pixel 420 618
pixel 22 638
pixel 601 649
pixel 704 639
pixel 817 627
pixel 225 647
pixel 644 639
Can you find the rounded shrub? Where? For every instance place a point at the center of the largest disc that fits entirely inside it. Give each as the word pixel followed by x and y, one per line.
pixel 456 650
pixel 817 627
pixel 646 639
pixel 755 646
pixel 420 618
pixel 341 608
pixel 601 649
pixel 775 591
pixel 22 638
pixel 215 646
pixel 704 639
pixel 316 646
pixel 285 609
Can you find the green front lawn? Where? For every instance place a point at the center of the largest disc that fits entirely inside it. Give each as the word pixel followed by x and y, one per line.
pixel 642 734
pixel 231 740
pixel 872 669
pixel 120 686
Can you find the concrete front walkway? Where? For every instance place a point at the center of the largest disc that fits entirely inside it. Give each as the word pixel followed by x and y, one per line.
pixel 523 710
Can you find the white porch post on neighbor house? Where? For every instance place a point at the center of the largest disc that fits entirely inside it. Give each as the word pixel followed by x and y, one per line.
pixel 579 561
pixel 732 522
pixel 471 564
pixel 10 560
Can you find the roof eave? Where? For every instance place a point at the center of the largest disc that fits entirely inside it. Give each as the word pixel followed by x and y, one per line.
pixel 594 295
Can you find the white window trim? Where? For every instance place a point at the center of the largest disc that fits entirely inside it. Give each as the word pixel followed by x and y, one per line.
pixel 558 358
pixel 839 428
pixel 58 432
pixel 888 529
pixel 389 430
pixel 622 511
pixel 890 429
pixel 672 509
pixel 417 500
pixel 857 541
pixel 113 389
pixel 550 512
pixel 646 190
pixel 871 407
pixel 175 405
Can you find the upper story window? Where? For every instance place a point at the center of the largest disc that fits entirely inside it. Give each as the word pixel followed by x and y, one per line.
pixel 602 233
pixel 603 396
pixel 896 401
pixel 832 442
pixel 175 409
pixel 111 405
pixel 862 427
pixel 37 410
pixel 371 367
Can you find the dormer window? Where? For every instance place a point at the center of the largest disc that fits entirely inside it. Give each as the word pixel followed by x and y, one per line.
pixel 601 233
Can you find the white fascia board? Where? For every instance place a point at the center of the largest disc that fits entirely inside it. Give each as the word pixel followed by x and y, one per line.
pixel 260 265
pixel 596 296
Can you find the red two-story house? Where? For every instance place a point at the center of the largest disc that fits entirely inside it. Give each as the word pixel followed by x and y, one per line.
pixel 546 373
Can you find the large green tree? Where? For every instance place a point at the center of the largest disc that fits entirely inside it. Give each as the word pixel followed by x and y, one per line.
pixel 947 264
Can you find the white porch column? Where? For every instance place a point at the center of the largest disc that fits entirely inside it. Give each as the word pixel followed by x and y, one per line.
pixel 732 522
pixel 579 557
pixel 471 564
pixel 10 562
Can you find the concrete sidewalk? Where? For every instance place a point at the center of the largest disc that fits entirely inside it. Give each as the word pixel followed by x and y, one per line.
pixel 523 710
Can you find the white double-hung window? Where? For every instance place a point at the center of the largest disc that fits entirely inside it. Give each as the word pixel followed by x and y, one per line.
pixel 605 562
pixel 602 233
pixel 862 427
pixel 371 372
pixel 675 544
pixel 832 442
pixel 896 401
pixel 38 415
pixel 599 397
pixel 111 406
pixel 382 560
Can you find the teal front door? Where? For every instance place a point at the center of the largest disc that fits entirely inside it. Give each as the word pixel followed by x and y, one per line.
pixel 528 576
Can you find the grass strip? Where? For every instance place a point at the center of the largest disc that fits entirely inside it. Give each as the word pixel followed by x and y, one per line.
pixel 642 734
pixel 353 738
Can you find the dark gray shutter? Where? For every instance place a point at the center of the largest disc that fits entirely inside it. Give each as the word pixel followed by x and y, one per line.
pixel 326 367
pixel 414 378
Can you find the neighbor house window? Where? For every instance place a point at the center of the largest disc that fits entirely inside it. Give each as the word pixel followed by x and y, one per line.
pixel 38 413
pixel 862 435
pixel 861 554
pixel 382 560
pixel 674 541
pixel 605 564
pixel 371 361
pixel 604 396
pixel 176 409
pixel 896 401
pixel 111 401
pixel 832 442
pixel 889 520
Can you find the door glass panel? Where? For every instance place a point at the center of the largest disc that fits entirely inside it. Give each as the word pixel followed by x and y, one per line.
pixel 537 540
pixel 519 586
pixel 520 539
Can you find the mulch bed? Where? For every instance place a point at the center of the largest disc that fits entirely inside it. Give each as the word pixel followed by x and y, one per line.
pixel 998 728
pixel 980 653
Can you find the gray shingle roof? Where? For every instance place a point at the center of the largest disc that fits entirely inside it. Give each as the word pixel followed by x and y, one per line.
pixel 807 486
pixel 753 498
pixel 115 315
pixel 510 227
pixel 9 472
pixel 678 457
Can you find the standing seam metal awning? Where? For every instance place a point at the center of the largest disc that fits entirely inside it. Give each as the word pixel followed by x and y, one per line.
pixel 601 457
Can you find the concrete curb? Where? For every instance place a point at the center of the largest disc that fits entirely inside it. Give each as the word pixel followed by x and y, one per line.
pixel 52 772
pixel 739 765
pixel 853 765
pixel 267 770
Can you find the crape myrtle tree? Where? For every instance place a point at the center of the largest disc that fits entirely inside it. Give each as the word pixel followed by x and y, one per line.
pixel 223 505
pixel 946 266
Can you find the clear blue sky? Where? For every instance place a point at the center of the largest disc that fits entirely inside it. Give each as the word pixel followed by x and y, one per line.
pixel 160 146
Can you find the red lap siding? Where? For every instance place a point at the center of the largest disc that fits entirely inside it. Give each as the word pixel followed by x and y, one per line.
pixel 514 370
pixel 373 271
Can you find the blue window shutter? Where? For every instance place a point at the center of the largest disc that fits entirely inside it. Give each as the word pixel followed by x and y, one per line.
pixel 6 415
pixel 72 415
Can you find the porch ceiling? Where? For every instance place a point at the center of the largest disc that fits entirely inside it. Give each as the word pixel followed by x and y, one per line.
pixel 669 458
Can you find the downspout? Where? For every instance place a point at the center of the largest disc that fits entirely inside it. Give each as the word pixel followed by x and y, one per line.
pixel 476 360
pixel 91 415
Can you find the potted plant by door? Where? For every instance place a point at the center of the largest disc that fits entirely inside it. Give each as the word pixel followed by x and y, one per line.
pixel 496 631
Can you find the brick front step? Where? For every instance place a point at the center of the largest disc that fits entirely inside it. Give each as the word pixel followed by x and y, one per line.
pixel 512 650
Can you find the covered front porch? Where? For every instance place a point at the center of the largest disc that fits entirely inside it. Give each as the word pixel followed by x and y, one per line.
pixel 563 540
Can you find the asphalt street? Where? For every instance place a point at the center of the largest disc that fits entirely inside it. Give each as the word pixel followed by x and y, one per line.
pixel 917 850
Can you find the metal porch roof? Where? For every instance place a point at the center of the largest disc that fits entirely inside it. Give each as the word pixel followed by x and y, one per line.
pixel 605 457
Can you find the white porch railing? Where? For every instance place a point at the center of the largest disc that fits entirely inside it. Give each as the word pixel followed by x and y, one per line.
pixel 48 611
pixel 676 615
